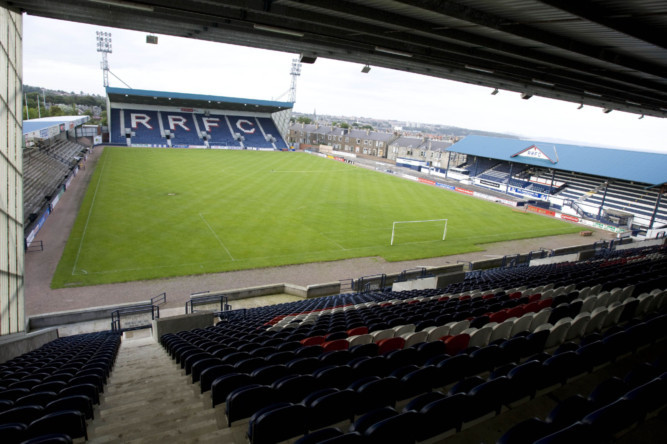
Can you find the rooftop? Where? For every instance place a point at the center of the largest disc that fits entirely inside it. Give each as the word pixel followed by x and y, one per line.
pixel 634 166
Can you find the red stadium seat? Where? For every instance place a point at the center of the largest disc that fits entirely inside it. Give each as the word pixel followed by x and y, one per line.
pixel 313 340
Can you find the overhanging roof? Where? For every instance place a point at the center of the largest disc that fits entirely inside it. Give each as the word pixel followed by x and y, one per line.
pixel 183 100
pixel 606 53
pixel 47 122
pixel 635 166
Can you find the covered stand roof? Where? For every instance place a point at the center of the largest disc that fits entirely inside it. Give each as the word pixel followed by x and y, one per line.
pixel 606 53
pixel 181 100
pixel 635 166
pixel 32 125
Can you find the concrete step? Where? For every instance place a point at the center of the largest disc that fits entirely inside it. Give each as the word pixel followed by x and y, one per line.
pixel 149 399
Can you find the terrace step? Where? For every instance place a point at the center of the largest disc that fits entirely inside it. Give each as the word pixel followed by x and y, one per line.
pixel 149 399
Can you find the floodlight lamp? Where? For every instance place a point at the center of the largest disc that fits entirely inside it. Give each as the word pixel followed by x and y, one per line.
pixel 276 30
pixel 641 117
pixel 125 4
pixel 581 106
pixel 542 82
pixel 526 96
pixel 392 51
pixel 365 69
pixel 478 69
pixel 494 92
pixel 607 110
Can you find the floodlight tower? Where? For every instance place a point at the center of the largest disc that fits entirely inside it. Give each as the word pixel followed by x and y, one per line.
pixel 295 72
pixel 104 47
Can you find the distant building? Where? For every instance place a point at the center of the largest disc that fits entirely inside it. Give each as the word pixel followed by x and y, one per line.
pixel 362 142
pixel 423 151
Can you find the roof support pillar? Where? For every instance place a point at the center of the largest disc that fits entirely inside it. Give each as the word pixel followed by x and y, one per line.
pixel 449 163
pixel 509 181
pixel 655 209
pixel 604 197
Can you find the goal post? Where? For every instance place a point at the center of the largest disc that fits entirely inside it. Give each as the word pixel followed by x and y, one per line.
pixel 393 228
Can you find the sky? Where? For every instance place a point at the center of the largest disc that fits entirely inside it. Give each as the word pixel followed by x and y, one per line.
pixel 62 55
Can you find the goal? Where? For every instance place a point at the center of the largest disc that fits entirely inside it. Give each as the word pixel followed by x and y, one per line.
pixel 429 228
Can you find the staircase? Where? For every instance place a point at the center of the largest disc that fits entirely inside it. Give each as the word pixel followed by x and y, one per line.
pixel 149 399
pixel 592 192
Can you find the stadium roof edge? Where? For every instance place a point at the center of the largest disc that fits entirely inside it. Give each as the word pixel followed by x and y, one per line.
pixel 190 100
pixel 33 125
pixel 635 166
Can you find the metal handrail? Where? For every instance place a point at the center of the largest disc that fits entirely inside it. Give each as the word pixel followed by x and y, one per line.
pixel 403 277
pixel 346 284
pixel 364 284
pixel 143 308
pixel 202 300
pixel 159 299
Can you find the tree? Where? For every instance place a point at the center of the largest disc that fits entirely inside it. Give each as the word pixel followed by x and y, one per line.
pixel 304 119
pixel 32 113
pixel 56 111
pixel 367 127
pixel 344 125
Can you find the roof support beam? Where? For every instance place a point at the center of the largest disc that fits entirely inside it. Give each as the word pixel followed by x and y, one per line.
pixel 461 12
pixel 400 30
pixel 604 16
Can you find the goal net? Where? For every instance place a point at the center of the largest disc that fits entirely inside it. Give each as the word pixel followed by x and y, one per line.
pixel 410 231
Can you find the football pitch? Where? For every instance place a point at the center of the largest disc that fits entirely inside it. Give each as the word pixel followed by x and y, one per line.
pixel 154 213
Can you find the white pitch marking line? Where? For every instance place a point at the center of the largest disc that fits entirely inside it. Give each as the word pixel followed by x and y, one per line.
pixel 90 212
pixel 216 236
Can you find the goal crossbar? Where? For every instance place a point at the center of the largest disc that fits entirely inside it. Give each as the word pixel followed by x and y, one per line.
pixel 393 227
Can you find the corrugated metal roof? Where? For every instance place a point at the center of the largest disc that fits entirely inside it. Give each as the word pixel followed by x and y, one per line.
pixel 634 166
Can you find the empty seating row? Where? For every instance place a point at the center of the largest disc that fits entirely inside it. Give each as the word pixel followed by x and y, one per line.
pixel 310 359
pixel 44 171
pixel 432 412
pixel 264 358
pixel 180 129
pixel 613 405
pixel 53 389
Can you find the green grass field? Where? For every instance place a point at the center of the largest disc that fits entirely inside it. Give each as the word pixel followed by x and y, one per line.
pixel 153 213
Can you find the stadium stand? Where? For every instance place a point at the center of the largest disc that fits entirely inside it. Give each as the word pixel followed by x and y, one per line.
pixel 271 132
pixel 45 170
pixel 587 182
pixel 251 132
pixel 183 129
pixel 218 130
pixel 146 118
pixel 177 129
pixel 116 137
pixel 53 390
pixel 252 361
